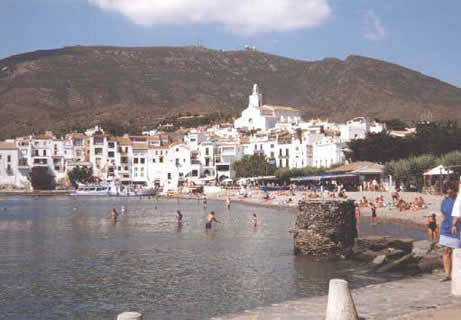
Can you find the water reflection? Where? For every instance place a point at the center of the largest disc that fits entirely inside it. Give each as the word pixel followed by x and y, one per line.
pixel 63 256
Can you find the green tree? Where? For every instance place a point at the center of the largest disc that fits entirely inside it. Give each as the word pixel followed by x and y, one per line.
pixel 253 166
pixel 80 174
pixel 451 159
pixel 284 174
pixel 42 179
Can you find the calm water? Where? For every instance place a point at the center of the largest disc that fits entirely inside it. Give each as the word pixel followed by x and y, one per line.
pixel 62 258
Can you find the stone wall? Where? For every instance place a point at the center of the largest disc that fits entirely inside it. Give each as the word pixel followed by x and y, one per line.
pixel 325 227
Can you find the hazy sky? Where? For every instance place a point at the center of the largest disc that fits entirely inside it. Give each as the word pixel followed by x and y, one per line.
pixel 424 35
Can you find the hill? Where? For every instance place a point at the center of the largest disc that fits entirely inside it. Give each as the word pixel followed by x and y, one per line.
pixel 80 86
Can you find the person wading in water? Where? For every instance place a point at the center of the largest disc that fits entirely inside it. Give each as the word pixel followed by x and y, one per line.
pixel 210 219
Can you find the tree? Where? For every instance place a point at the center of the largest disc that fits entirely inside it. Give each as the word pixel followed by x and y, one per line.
pixel 284 174
pixel 451 159
pixel 80 174
pixel 42 179
pixel 395 124
pixel 253 166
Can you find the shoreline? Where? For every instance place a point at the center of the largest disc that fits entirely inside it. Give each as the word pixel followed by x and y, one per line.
pixel 280 201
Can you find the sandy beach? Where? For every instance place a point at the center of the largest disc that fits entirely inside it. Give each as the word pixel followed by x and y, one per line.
pixel 389 212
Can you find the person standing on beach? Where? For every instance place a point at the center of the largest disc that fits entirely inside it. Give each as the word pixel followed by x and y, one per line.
pixel 210 219
pixel 255 220
pixel 449 229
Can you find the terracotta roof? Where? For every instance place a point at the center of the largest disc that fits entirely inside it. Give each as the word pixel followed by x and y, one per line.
pixel 7 145
pixel 280 108
pixel 125 141
pixel 140 145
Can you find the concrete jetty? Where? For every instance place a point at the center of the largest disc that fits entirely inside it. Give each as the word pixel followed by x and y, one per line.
pixel 391 300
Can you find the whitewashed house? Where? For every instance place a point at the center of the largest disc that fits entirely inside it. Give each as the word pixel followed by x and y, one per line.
pixel 264 117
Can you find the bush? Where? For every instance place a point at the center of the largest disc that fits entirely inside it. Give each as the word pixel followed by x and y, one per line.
pixel 253 166
pixel 80 174
pixel 42 179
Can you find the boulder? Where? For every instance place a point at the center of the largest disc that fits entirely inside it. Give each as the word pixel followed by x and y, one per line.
pixel 379 260
pixel 396 265
pixel 378 243
pixel 421 248
pixel 367 255
pixel 430 262
pixel 393 254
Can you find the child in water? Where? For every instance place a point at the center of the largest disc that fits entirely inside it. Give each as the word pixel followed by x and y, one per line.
pixel 179 217
pixel 114 215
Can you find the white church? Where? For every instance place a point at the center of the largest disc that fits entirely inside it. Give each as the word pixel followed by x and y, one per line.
pixel 265 117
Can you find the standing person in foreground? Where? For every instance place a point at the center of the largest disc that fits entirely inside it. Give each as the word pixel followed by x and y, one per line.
pixel 449 229
pixel 228 202
pixel 255 220
pixel 210 219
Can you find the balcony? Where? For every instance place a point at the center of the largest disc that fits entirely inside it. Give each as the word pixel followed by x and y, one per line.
pixel 22 164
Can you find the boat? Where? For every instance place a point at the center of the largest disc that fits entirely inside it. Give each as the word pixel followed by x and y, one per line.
pixel 111 189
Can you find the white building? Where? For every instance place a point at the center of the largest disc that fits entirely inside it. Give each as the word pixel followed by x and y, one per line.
pixel 10 173
pixel 264 117
pixel 327 152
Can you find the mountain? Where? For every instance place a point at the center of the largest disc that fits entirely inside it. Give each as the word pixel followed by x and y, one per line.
pixel 80 86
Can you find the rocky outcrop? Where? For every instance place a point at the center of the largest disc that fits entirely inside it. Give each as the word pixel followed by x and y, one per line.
pixel 325 228
pixel 385 254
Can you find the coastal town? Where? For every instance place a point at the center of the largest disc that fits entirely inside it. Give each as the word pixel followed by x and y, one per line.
pixel 196 156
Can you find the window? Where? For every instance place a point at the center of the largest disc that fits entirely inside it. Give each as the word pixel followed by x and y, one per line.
pixel 153 160
pixel 207 152
pixel 287 153
pixel 8 158
pixel 136 160
pixel 177 149
pixel 272 155
pixel 195 173
pixel 169 176
pixel 142 172
pixel 280 152
pixel 143 160
pixel 160 160
pixel 110 154
pixel 177 162
pixel 44 153
pixel 111 145
pixel 36 153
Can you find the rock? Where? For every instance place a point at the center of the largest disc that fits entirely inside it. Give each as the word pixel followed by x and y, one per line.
pixel 393 254
pixel 421 248
pixel 431 262
pixel 325 227
pixel 379 260
pixel 377 243
pixel 397 265
pixel 374 243
pixel 366 255
pixel 402 244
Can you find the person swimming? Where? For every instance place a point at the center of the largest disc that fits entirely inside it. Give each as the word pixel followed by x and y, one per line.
pixel 210 219
pixel 179 217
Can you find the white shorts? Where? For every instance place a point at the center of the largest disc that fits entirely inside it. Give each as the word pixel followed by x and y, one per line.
pixel 450 242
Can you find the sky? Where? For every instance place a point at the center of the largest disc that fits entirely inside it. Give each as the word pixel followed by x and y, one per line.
pixel 424 35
